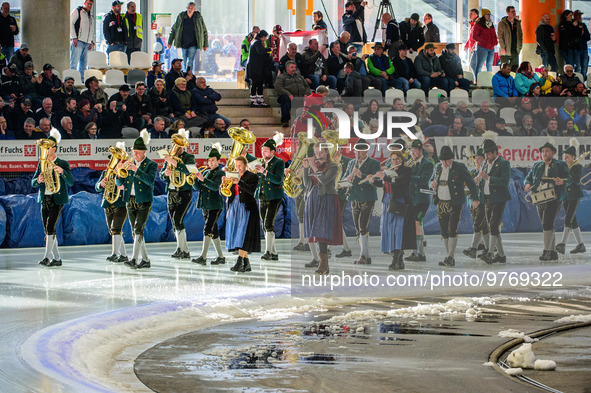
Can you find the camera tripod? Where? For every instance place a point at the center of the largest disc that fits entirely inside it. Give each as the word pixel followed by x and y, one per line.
pixel 385 6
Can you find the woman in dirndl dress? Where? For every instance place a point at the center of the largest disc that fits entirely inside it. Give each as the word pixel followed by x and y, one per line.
pixel 243 226
pixel 322 213
pixel 397 230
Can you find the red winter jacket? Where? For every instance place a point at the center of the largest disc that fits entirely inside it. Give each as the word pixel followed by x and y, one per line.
pixel 485 37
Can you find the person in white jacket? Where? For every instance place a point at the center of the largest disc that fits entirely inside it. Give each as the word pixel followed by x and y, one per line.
pixel 81 34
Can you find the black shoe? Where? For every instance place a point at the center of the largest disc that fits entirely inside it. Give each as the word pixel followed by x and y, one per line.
pixel 500 259
pixel 489 258
pixel 364 261
pixel 185 255
pixel 412 257
pixel 552 256
pixel 267 256
pixel 54 262
pixel 448 261
pixel 344 253
pixel 176 254
pixel 144 265
pixel 300 247
pixel 254 104
pixel 130 264
pixel 470 252
pixel 274 257
pixel 113 258
pixel 122 259
pixel 44 262
pixel 200 261
pixel 314 263
pixel 424 243
pixel 561 248
pixel 306 247
pixel 481 247
pixel 246 266
pixel 579 249
pixel 264 105
pixel 544 256
pixel 238 266
pixel 421 258
pixel 219 261
pixel 483 254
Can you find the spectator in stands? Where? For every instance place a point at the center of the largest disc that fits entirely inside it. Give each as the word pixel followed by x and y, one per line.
pixel 504 86
pixel 207 129
pixel 343 40
pixel 158 130
pixel 501 129
pixel 19 114
pixel 525 77
pixel 205 97
pixel 134 30
pixel 372 112
pixel 90 131
pixel 70 109
pixel 21 57
pixel 571 129
pixel 177 125
pixel 393 39
pixel 397 105
pixel 581 53
pixel 569 37
pixel 66 128
pixel 48 83
pixel 405 68
pixel 466 115
pixel 140 107
pixel 292 54
pixel 336 63
pixel 581 91
pixel 527 127
pixel 44 127
pixel 123 97
pixel 8 29
pixel 457 128
pixel 485 38
pixel 487 114
pixel 274 42
pixel 419 108
pixel 545 38
pixel 316 69
pixel 552 129
pixel 94 94
pixel 359 65
pixel 557 91
pixel 470 46
pixel 452 67
pixel 115 29
pixel 176 71
pixel 66 91
pixel 220 130
pixel 246 42
pixel 190 34
pixel 29 81
pixel 258 70
pixel 430 31
pixel 353 83
pixel 10 82
pixel 479 127
pixel 159 101
pixel 510 37
pixel 287 86
pixel 5 133
pixel 429 71
pixel 114 119
pixel 380 66
pixel 81 34
pixel 183 106
pixel 442 115
pixel 353 24
pixel 568 112
pixel 86 114
pixel 534 91
pixel 245 123
pixel 568 79
pixel 46 110
pixel 155 73
pixel 411 33
pixel 27 130
pixel 319 23
pixel 529 106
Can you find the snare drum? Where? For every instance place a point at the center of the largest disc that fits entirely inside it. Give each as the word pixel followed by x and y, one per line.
pixel 546 193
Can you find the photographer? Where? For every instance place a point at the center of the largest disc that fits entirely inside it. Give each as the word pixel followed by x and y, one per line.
pixel 28 82
pixel 114 119
pixel 123 98
pixel 48 83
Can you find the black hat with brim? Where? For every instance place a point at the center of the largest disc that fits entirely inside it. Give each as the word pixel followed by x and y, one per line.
pixel 416 143
pixel 479 152
pixel 446 153
pixel 571 150
pixel 489 146
pixel 549 146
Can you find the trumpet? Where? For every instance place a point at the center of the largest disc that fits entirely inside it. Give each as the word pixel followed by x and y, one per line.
pixel 190 179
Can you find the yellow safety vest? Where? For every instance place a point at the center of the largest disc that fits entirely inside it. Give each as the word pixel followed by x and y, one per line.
pixel 138 22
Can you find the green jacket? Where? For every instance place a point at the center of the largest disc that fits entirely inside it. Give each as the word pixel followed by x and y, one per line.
pixel 271 186
pixel 557 168
pixel 142 180
pixel 458 176
pixel 419 180
pixel 66 180
pixel 574 189
pixel 365 192
pixel 500 175
pixel 120 202
pixel 186 159
pixel 209 190
pixel 373 68
pixel 176 32
pixel 245 48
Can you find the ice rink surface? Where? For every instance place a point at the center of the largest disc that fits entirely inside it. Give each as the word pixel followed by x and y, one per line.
pixel 90 326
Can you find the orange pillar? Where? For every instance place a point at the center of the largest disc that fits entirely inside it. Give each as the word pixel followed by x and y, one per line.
pixel 530 13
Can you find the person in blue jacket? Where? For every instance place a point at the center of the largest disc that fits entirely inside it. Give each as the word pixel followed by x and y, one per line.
pixel 504 86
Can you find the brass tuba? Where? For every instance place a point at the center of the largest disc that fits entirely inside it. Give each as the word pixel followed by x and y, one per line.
pixel 177 178
pixel 52 183
pixel 111 193
pixel 242 137
pixel 292 181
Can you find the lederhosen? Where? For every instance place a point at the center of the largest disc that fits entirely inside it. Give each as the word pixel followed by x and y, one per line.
pixel 494 210
pixel 575 193
pixel 179 199
pixel 448 215
pixel 210 201
pixel 140 202
pixel 548 211
pixel 480 224
pixel 362 196
pixel 115 213
pixel 421 174
pixel 270 192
